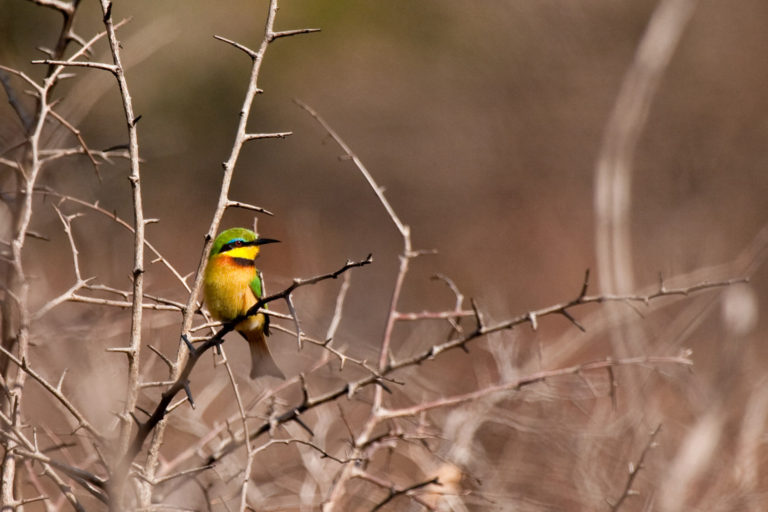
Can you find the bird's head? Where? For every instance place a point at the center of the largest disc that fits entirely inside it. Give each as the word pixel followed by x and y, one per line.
pixel 238 243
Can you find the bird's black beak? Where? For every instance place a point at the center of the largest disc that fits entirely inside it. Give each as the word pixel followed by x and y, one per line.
pixel 263 241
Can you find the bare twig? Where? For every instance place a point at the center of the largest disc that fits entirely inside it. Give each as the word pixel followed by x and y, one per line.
pixel 533 378
pixel 13 100
pixel 156 255
pixel 79 64
pixel 276 135
pixel 57 393
pixel 559 309
pixel 241 136
pixel 246 206
pixel 395 491
pixel 133 354
pixel 244 420
pixel 337 311
pixel 80 139
pixel 634 469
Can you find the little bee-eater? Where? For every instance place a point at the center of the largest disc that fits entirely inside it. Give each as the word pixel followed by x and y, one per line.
pixel 232 285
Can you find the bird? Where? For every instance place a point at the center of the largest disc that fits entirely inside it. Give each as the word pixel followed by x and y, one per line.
pixel 232 284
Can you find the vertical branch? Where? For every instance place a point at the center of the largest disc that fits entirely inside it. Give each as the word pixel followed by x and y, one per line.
pixel 613 174
pixel 246 436
pixel 134 348
pixel 15 308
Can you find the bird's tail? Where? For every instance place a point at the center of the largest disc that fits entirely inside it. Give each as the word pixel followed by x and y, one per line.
pixel 261 360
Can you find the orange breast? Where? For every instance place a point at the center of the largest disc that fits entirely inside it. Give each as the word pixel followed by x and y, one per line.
pixel 227 288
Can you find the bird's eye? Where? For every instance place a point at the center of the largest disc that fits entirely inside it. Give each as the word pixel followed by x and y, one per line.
pixel 238 243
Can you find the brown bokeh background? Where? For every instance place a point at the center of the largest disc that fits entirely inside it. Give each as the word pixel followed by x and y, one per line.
pixel 483 122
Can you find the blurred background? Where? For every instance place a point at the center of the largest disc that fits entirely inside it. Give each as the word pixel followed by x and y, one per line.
pixel 483 122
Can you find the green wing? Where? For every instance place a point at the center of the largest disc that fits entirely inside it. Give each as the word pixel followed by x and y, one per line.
pixel 256 285
pixel 257 289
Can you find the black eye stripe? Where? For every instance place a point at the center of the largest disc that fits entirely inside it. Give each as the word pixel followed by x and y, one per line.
pixel 233 244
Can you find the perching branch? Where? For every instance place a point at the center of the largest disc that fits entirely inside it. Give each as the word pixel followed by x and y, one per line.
pixel 242 136
pixel 182 381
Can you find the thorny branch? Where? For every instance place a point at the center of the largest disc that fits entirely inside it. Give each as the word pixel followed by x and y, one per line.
pixel 133 351
pixel 560 309
pixel 351 388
